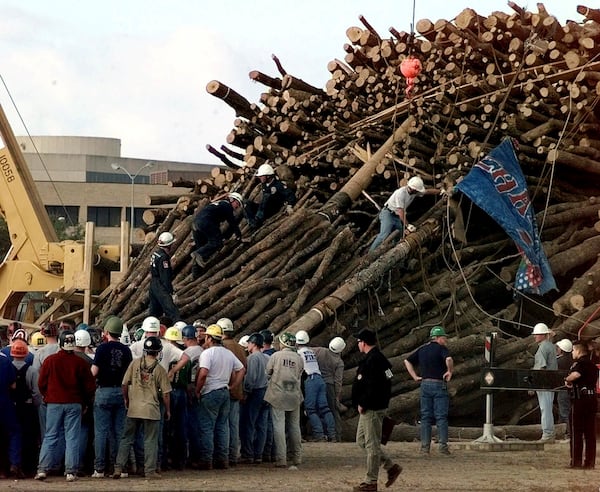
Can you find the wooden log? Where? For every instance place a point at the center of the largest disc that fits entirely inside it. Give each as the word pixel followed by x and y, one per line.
pixel 240 105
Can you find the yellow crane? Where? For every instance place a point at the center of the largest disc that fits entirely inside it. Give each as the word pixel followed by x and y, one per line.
pixel 72 273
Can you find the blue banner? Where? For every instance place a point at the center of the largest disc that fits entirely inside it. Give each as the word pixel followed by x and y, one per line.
pixel 497 185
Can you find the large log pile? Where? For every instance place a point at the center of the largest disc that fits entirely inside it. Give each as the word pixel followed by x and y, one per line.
pixel 346 147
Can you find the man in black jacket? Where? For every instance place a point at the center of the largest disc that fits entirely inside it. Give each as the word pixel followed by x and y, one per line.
pixel 161 282
pixel 275 194
pixel 371 392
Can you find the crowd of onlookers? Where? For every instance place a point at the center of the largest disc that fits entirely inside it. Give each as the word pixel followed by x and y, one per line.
pixel 112 402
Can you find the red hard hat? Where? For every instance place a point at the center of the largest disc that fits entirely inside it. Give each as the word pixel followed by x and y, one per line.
pixel 19 348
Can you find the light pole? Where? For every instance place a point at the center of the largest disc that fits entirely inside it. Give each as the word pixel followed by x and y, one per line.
pixel 118 167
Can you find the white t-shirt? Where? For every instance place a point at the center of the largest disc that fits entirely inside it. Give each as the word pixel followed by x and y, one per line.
pixel 311 365
pixel 193 353
pixel 220 363
pixel 401 198
pixel 170 353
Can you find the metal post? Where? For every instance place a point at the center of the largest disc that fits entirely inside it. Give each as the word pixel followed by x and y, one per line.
pixel 488 428
pixel 118 167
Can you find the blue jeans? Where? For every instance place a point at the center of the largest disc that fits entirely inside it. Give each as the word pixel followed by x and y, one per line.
pixel 60 444
pixel 234 430
pixel 9 424
pixel 317 409
pixel 545 400
pixel 177 428
pixel 253 431
pixel 109 421
pixel 214 426
pixel 61 418
pixel 434 406
pixel 389 222
pixel 193 429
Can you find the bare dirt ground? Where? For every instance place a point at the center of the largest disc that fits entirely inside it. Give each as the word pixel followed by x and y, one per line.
pixel 338 467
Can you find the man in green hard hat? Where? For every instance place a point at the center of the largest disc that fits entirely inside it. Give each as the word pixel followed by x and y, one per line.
pixel 435 368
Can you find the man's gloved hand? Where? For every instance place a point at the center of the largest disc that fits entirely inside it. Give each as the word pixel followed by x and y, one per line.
pixel 245 240
pixel 289 210
pixel 411 228
pixel 174 297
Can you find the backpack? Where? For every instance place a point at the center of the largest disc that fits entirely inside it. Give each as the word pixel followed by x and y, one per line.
pixel 22 394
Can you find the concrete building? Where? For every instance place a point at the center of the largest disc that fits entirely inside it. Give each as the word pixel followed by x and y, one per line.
pixel 77 183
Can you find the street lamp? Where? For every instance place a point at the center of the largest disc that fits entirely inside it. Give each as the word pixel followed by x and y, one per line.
pixel 118 167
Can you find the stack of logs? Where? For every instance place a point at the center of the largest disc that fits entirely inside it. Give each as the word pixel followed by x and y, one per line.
pixel 519 74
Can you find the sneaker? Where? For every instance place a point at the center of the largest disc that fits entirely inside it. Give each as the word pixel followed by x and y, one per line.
pixel 366 487
pixel 392 475
pixel 117 474
pixel 445 451
pixel 97 474
pixel 71 477
pixel 124 475
pixel 424 451
pixel 293 468
pixel 40 476
pixel 16 472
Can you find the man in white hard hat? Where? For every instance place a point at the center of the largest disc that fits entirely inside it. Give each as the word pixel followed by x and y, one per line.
pixel 275 194
pixel 545 360
pixel 206 228
pixel 393 214
pixel 161 282
pixel 564 359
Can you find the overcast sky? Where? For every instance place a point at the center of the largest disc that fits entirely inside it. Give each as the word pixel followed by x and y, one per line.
pixel 137 69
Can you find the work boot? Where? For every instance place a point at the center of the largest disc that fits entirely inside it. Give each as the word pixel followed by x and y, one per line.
pixel 366 487
pixel 392 474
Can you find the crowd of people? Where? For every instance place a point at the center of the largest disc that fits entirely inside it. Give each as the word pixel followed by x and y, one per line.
pixel 179 396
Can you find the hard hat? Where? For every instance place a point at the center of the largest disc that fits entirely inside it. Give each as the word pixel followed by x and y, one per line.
pixel 416 184
pixel 152 345
pixel 200 323
pixel 151 324
pixel 114 325
pixel 166 239
pixel 66 340
pixel 267 336
pixel 337 345
pixel 188 332
pixel 37 340
pixel 50 329
pixel 565 345
pixel 437 331
pixel 244 341
pixel 19 334
pixel 287 340
pixel 215 331
pixel 540 329
pixel 180 325
pixel 173 334
pixel 82 338
pixel 225 324
pixel 265 170
pixel 237 197
pixel 125 338
pixel 19 348
pixel 302 337
pixel 82 326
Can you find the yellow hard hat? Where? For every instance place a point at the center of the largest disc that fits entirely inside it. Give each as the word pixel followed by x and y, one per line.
pixel 215 331
pixel 173 334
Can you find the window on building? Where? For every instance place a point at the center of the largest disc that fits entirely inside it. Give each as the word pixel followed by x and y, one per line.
pixel 105 216
pixel 68 213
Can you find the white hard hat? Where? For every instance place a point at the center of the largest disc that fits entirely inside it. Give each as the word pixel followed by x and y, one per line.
pixel 237 197
pixel 540 329
pixel 151 324
pixel 337 345
pixel 82 338
pixel 265 170
pixel 302 337
pixel 244 341
pixel 416 184
pixel 166 239
pixel 565 345
pixel 225 324
pixel 180 325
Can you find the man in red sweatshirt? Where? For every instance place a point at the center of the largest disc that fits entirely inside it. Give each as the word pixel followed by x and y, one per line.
pixel 68 387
